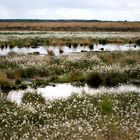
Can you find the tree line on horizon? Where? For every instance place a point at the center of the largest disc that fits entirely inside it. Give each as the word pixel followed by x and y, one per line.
pixel 58 20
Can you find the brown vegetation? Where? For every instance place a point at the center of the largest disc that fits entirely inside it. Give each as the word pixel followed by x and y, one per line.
pixel 4 81
pixel 71 26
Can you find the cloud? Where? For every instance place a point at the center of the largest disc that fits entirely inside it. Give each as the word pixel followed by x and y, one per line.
pixel 64 13
pixel 70 9
pixel 4 13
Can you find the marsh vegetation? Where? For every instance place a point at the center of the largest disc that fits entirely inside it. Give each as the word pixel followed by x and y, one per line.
pixel 70 85
pixel 70 26
pixel 112 68
pixel 102 116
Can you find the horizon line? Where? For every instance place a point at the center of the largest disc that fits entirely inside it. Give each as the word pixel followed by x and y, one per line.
pixel 36 19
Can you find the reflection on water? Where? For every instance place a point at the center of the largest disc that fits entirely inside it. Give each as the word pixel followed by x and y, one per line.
pixel 57 50
pixel 7 50
pixel 66 90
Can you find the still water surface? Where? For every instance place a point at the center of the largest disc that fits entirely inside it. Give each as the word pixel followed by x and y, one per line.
pixel 65 90
pixel 65 50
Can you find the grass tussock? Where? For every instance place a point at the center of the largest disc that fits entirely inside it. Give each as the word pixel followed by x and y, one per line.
pixel 5 83
pixel 137 42
pixel 96 79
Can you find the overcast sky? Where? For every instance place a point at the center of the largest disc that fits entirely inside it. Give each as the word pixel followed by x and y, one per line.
pixel 70 9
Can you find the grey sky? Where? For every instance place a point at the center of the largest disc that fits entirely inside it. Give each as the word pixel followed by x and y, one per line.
pixel 71 9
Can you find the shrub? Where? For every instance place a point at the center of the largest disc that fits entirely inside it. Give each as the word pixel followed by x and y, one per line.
pixel 75 45
pixel 94 79
pixel 114 78
pixel 137 42
pixel 103 41
pixel 18 82
pixel 91 46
